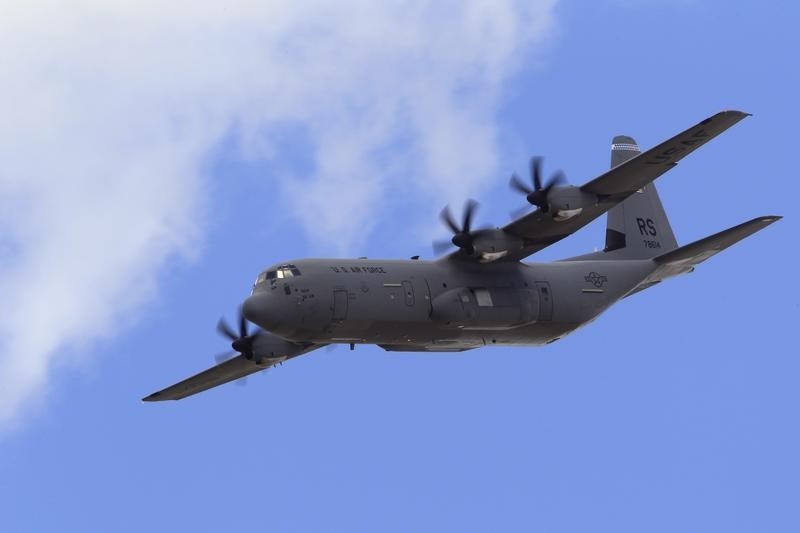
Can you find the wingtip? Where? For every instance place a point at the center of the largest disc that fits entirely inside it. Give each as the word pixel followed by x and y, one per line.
pixel 737 112
pixel 153 397
pixel 729 116
pixel 764 221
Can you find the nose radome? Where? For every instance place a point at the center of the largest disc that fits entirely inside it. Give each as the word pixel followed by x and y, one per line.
pixel 258 310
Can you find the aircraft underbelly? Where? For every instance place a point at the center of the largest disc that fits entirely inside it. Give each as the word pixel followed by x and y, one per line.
pixel 428 334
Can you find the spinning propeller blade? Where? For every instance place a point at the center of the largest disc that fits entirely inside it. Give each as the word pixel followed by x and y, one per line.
pixel 463 236
pixel 243 342
pixel 536 193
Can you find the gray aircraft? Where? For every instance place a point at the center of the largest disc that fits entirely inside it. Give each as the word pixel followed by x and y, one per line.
pixel 481 293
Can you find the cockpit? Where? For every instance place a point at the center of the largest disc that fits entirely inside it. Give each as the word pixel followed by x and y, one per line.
pixel 277 273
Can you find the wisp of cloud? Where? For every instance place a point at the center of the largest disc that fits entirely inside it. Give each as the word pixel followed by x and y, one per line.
pixel 110 108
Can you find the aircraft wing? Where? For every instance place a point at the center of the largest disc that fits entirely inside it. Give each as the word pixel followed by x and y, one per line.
pixel 539 230
pixel 230 370
pixel 647 166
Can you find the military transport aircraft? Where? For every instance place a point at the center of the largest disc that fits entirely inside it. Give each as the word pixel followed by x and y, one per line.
pixel 481 294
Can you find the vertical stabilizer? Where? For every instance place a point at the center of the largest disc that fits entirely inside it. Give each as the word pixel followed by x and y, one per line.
pixel 638 227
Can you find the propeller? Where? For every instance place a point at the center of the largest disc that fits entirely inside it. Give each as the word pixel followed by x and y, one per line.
pixel 241 342
pixel 538 194
pixel 463 236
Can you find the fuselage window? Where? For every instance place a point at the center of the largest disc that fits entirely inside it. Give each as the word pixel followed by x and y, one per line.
pixel 260 279
pixel 483 297
pixel 283 272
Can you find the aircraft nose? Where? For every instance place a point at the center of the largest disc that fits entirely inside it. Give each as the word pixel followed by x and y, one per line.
pixel 260 310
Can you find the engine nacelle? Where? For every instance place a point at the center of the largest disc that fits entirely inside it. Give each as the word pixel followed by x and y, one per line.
pixel 567 202
pixel 274 348
pixel 479 308
pixel 493 244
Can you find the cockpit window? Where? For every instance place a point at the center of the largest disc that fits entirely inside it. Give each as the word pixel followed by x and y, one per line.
pixel 281 272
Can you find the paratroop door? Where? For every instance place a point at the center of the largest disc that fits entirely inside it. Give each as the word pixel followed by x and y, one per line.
pixel 545 301
pixel 339 304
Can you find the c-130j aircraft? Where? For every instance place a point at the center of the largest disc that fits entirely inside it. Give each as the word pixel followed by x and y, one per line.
pixel 481 293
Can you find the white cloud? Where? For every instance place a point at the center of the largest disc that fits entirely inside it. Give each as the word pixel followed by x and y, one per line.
pixel 107 110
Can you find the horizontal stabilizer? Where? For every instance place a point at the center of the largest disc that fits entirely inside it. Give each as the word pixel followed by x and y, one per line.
pixel 698 251
pixel 683 259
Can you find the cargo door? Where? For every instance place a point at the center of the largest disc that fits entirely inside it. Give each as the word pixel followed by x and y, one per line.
pixel 339 304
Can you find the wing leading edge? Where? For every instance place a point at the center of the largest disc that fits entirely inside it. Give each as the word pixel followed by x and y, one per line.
pixel 539 230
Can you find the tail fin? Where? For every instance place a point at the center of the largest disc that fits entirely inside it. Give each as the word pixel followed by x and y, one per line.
pixel 638 227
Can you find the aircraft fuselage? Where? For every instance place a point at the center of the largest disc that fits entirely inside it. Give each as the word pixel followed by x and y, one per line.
pixel 436 305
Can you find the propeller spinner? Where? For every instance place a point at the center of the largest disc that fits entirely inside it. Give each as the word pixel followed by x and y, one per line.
pixel 463 236
pixel 537 195
pixel 243 342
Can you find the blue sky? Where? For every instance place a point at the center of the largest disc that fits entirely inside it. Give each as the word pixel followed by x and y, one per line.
pixel 141 192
